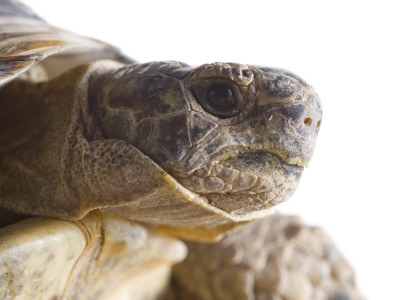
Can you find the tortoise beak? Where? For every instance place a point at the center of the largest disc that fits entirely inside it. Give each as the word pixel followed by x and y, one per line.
pixel 287 117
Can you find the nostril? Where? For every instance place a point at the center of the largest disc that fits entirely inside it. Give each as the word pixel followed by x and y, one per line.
pixel 319 123
pixel 308 121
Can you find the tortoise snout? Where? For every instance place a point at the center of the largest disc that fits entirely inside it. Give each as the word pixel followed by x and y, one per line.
pixel 312 120
pixel 309 122
pixel 291 115
pixel 302 113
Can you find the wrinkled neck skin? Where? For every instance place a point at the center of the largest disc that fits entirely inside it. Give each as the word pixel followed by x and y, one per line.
pixel 249 160
pixel 161 143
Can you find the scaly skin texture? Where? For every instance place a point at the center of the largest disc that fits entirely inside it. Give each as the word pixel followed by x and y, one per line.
pixel 276 258
pixel 144 136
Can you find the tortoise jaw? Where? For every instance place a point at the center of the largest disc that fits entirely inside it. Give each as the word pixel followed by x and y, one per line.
pixel 244 182
pixel 268 154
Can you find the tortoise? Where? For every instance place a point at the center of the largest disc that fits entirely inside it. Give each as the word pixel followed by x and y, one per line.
pixel 110 170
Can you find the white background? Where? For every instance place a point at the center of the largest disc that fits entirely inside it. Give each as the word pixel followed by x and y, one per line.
pixel 348 50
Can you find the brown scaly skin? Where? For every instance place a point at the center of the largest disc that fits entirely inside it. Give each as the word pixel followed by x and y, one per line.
pixel 275 258
pixel 244 162
pixel 106 131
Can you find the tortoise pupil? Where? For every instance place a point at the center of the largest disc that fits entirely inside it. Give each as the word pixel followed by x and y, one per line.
pixel 220 97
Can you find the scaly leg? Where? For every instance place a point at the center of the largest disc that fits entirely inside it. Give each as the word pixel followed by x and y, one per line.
pixel 274 258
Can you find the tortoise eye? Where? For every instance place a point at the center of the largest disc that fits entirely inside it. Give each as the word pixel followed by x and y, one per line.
pixel 221 98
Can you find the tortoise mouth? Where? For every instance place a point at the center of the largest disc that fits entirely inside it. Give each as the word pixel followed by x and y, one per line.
pixel 239 183
pixel 258 152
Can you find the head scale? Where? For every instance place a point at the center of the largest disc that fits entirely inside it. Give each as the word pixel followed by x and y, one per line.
pixel 239 135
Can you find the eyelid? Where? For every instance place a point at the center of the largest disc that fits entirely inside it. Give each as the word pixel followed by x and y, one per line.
pixel 198 90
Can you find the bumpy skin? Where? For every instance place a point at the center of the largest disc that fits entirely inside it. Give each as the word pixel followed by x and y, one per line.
pixel 276 258
pixel 242 163
pixel 162 143
pixel 106 135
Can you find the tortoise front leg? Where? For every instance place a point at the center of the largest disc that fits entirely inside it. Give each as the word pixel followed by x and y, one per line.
pixel 277 257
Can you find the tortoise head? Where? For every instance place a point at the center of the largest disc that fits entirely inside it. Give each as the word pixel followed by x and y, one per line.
pixel 239 135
